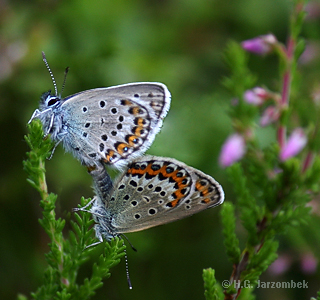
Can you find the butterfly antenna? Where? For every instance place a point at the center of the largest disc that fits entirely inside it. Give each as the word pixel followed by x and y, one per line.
pixel 133 248
pixel 65 78
pixel 50 72
pixel 127 267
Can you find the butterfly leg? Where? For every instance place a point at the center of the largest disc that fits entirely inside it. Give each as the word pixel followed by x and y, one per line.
pixel 98 231
pixel 35 114
pixel 93 244
pixel 89 211
pixel 50 126
pixel 84 207
pixel 38 113
pixel 54 148
pixel 56 144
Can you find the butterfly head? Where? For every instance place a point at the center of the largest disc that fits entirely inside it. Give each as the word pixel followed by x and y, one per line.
pixel 49 100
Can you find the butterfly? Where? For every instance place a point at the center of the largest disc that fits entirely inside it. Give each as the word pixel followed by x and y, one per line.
pixel 112 124
pixel 151 191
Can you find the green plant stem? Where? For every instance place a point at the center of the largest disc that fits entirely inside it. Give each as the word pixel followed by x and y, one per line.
pixel 66 255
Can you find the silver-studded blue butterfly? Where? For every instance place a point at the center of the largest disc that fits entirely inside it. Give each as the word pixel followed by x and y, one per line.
pixel 151 191
pixel 113 124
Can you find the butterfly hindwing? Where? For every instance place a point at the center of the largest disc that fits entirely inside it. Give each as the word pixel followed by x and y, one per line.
pixel 155 190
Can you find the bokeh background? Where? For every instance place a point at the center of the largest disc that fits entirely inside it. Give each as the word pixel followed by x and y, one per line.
pixel 179 43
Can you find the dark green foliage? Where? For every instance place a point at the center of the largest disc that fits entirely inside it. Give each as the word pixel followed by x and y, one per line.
pixel 247 294
pixel 179 43
pixel 40 149
pixel 250 212
pixel 239 80
pixel 241 77
pixel 261 260
pixel 66 255
pixel 231 241
pixel 272 192
pixel 212 291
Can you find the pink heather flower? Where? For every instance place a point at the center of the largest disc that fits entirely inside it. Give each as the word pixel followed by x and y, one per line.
pixel 280 265
pixel 310 53
pixel 260 45
pixel 232 150
pixel 315 207
pixel 256 96
pixel 270 115
pixel 308 264
pixel 295 144
pixel 313 10
pixel 315 96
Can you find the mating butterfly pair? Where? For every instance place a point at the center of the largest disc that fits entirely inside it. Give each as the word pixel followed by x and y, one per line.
pixel 115 125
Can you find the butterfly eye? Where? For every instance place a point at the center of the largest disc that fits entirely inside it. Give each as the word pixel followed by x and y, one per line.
pixel 52 101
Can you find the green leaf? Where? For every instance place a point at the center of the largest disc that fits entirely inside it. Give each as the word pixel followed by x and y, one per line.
pixel 66 255
pixel 113 251
pixel 249 211
pixel 246 294
pixel 231 241
pixel 261 260
pixel 241 77
pixel 211 288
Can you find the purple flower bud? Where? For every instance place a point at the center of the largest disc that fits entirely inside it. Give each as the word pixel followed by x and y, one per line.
pixel 310 53
pixel 270 115
pixel 308 264
pixel 232 150
pixel 281 265
pixel 260 45
pixel 313 10
pixel 315 96
pixel 256 96
pixel 295 144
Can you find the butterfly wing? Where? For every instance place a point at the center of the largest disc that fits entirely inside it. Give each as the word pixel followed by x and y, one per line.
pixel 114 124
pixel 156 190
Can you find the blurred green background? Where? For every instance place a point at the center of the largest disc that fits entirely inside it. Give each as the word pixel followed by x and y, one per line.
pixel 179 43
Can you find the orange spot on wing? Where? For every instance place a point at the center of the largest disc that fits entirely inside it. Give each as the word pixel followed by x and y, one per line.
pixel 205 192
pixel 121 147
pixel 126 102
pixel 140 122
pixel 174 203
pixel 137 130
pixel 178 194
pixel 152 172
pixel 135 110
pixel 131 139
pixel 206 200
pixel 174 176
pixel 109 156
pixel 148 170
pixel 200 187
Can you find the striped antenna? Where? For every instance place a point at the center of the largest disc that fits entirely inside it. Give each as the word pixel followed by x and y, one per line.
pixel 51 74
pixel 127 267
pixel 64 80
